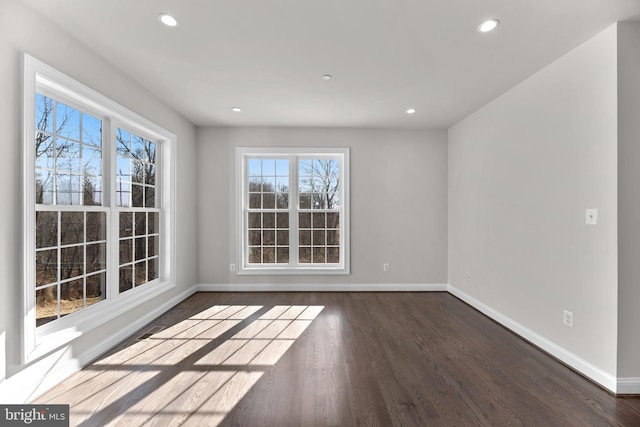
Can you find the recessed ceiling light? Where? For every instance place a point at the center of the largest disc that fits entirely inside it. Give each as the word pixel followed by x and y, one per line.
pixel 327 77
pixel 489 25
pixel 411 111
pixel 168 20
pixel 236 109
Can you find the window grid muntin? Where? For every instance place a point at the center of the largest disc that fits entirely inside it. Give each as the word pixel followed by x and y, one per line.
pixel 146 262
pixel 81 141
pixel 128 142
pixel 58 247
pixel 294 210
pixel 274 174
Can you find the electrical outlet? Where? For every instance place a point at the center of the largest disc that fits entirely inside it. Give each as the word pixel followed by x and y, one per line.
pixel 591 217
pixel 232 267
pixel 385 267
pixel 468 275
pixel 567 318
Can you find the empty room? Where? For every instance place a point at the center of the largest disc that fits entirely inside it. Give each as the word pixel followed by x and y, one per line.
pixel 297 213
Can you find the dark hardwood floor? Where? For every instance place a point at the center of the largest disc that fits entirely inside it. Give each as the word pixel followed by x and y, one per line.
pixel 344 359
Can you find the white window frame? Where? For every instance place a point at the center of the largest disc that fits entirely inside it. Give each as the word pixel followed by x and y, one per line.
pixel 242 156
pixel 36 342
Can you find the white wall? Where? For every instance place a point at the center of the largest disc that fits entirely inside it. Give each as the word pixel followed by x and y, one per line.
pixel 522 171
pixel 25 31
pixel 629 200
pixel 398 202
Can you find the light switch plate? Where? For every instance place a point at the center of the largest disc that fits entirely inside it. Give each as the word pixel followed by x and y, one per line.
pixel 592 217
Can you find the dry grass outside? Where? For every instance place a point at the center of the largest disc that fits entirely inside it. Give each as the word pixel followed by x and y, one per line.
pixel 50 309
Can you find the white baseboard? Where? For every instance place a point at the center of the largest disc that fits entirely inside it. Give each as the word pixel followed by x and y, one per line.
pixel 321 287
pixel 628 386
pixel 31 382
pixel 596 374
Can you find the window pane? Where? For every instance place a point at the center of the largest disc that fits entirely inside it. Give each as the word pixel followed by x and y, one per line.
pixel 126 224
pixel 46 305
pixel 44 187
pixel 150 151
pixel 68 156
pixel 152 269
pixel 304 237
pixel 91 161
pixel 153 222
pixel 126 278
pixel 71 297
pixel 269 237
pixel 304 255
pixel 150 197
pixel 96 257
pixel 254 220
pixel 44 113
pixel 141 273
pixel 123 168
pixel 150 174
pixel 282 200
pixel 333 220
pixel 255 237
pixel 123 142
pixel 71 262
pixel 126 251
pixel 71 227
pixel 268 255
pixel 319 220
pixel 304 220
pixel 137 173
pixel 141 248
pixel 269 201
pixel 282 254
pixel 319 254
pixel 153 249
pixel 283 220
pixel 255 200
pixel 318 237
pixel 269 220
pixel 283 237
pixel 137 147
pixel 67 121
pixel 333 255
pixel 46 267
pixel 141 223
pixel 255 255
pixel 137 196
pixel 92 189
pixel 96 288
pixel 255 167
pixel 46 229
pixel 282 167
pixel 91 130
pixel 68 189
pixel 123 194
pixel 96 226
pixel 45 154
pixel 305 201
pixel 333 237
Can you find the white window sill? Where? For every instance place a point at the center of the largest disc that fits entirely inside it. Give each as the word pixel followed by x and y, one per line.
pixel 289 271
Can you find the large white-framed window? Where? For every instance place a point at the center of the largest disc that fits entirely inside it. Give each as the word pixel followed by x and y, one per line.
pixel 292 210
pixel 99 216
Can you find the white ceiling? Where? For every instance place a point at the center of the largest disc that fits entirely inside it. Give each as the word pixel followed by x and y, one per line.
pixel 268 56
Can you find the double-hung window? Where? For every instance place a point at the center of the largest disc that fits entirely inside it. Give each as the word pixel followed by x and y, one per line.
pixel 98 208
pixel 293 210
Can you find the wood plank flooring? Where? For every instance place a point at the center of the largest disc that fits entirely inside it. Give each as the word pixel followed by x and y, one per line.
pixel 339 359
